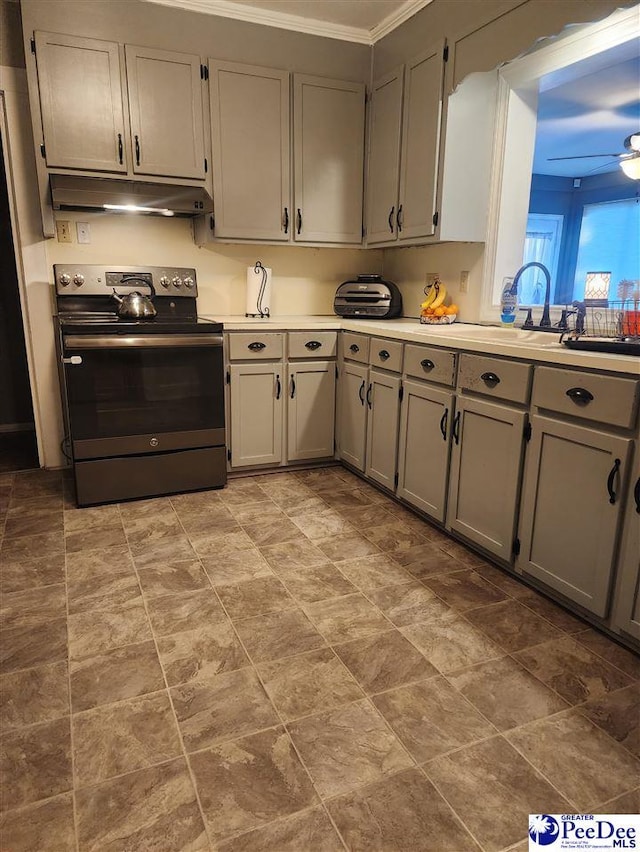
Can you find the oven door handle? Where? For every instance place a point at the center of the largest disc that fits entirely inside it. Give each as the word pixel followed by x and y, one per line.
pixel 147 341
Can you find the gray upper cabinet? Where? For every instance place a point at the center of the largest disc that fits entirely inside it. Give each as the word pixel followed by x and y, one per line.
pixel 420 144
pixel 328 121
pixel 486 465
pixel 571 509
pixel 251 164
pixel 81 102
pixel 165 104
pixel 384 158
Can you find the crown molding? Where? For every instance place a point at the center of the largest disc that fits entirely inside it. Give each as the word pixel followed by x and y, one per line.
pixel 270 18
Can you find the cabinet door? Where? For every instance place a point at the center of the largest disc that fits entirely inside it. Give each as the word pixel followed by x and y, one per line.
pixel 311 410
pixel 626 616
pixel 383 401
pixel 328 117
pixel 384 158
pixel 81 101
pixel 352 421
pixel 250 121
pixel 486 466
pixel 571 509
pixel 256 395
pixel 165 106
pixel 420 144
pixel 423 455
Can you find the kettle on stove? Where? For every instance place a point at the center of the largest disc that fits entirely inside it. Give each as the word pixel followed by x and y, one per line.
pixel 135 305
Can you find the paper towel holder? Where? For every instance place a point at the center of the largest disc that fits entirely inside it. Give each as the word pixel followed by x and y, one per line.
pixel 261 310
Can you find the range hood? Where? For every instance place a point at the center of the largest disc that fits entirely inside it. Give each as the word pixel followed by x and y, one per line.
pixel 70 192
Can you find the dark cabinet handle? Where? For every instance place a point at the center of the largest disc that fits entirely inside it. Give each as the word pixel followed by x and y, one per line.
pixel 354 348
pixel 399 218
pixel 580 396
pixel 636 495
pixel 369 389
pixel 286 220
pixel 490 379
pixel 361 392
pixel 293 387
pixel 299 220
pixel 120 148
pixel 384 355
pixel 256 346
pixel 443 424
pixel 456 428
pixel 391 212
pixel 610 480
pixel 427 363
pixel 137 140
pixel 278 387
pixel 313 345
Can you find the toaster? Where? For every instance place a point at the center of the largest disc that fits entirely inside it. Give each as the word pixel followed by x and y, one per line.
pixel 368 297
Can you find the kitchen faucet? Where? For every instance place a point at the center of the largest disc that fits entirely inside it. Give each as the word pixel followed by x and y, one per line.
pixel 545 320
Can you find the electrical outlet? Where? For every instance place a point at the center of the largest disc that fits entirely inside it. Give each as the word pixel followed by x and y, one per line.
pixel 63 231
pixel 464 281
pixel 432 277
pixel 83 231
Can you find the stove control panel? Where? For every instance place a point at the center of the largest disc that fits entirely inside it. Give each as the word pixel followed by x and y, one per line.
pixel 93 280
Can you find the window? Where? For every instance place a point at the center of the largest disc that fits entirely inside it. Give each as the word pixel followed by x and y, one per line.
pixel 542 243
pixel 609 231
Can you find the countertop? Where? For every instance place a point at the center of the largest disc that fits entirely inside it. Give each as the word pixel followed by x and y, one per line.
pixel 535 346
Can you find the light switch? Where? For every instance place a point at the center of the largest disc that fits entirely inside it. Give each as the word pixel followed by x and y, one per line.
pixel 83 229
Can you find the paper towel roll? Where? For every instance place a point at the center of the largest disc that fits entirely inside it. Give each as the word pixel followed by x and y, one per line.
pixel 258 291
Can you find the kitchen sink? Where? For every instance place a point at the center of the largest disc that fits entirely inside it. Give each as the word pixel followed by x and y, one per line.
pixel 498 334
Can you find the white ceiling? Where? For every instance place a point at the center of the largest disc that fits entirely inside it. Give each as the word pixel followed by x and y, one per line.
pixel 363 21
pixel 588 108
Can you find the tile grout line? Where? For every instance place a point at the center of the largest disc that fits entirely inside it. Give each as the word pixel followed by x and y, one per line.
pixel 76 821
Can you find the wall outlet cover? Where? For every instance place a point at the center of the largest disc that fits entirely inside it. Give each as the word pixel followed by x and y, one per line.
pixel 83 231
pixel 63 231
pixel 431 278
pixel 464 281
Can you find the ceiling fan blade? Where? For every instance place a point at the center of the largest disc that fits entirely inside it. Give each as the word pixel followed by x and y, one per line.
pixel 587 156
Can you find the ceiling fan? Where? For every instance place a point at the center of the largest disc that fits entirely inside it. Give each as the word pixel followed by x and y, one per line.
pixel 629 158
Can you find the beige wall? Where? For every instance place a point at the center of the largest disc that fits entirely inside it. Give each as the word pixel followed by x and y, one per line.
pixel 304 279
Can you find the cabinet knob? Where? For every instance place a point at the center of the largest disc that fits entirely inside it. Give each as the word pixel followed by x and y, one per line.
pixel 427 363
pixel 581 396
pixel 256 346
pixel 384 355
pixel 354 348
pixel 490 379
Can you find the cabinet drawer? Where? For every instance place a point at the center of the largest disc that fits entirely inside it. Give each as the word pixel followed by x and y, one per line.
pixel 495 377
pixel 427 362
pixel 250 347
pixel 607 399
pixel 386 354
pixel 312 344
pixel 355 347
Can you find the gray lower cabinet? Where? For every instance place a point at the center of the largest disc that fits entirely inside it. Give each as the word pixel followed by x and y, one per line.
pixel 383 415
pixel 571 510
pixel 424 447
pixel 256 413
pixel 486 466
pixel 626 611
pixel 310 410
pixel 352 417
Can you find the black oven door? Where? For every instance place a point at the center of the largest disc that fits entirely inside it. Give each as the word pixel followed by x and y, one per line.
pixel 130 395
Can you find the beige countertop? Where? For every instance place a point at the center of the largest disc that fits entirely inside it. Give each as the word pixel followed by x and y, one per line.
pixel 489 340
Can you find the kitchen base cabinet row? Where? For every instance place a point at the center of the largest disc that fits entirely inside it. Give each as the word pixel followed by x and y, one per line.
pixel 512 460
pixel 277 411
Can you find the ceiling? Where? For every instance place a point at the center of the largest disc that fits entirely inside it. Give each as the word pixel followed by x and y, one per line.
pixel 588 108
pixel 363 21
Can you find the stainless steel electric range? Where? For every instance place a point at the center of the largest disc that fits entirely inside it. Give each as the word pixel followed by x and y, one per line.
pixel 143 399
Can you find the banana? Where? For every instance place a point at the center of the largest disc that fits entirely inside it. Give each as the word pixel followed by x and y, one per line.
pixel 432 292
pixel 441 295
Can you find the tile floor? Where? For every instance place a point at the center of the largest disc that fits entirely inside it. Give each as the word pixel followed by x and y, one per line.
pixel 293 663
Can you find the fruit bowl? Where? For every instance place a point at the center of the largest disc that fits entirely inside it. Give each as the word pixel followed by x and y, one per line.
pixel 446 319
